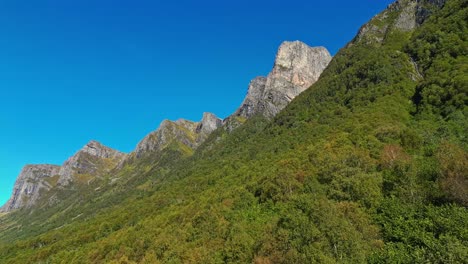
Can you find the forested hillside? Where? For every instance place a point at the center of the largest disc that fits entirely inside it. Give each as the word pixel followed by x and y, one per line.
pixel 369 165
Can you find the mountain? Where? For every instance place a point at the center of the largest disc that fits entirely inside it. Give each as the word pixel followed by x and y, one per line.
pixel 368 165
pixel 92 160
pixel 297 66
pixel 35 181
pixel 32 180
pixel 182 133
pixel 402 15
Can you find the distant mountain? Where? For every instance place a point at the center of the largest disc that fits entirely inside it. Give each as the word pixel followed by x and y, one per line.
pixel 34 181
pixel 182 133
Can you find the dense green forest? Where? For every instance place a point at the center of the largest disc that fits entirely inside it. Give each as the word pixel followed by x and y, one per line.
pixel 369 165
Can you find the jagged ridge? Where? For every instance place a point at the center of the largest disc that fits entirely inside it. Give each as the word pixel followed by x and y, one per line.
pixel 92 161
pixel 297 66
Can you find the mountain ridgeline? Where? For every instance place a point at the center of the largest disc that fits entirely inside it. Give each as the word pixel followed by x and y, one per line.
pixel 93 160
pixel 296 67
pixel 365 162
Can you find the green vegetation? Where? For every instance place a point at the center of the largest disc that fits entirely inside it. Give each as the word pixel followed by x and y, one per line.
pixel 369 165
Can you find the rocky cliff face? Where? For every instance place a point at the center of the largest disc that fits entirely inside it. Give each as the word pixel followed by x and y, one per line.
pixel 93 159
pixel 30 184
pixel 208 124
pixel 187 133
pixel 403 15
pixel 297 66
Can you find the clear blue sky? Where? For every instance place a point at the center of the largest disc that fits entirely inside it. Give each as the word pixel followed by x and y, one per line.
pixel 112 70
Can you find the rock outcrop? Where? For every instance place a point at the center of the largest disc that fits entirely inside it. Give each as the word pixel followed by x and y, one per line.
pixel 297 66
pixel 208 124
pixel 30 184
pixel 93 159
pixel 403 15
pixel 185 133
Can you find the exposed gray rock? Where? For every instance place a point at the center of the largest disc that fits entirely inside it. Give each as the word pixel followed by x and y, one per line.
pixel 371 33
pixel 34 181
pixel 406 21
pixel 297 66
pixel 208 124
pixel 252 104
pixel 165 134
pixel 96 149
pixel 188 133
pixel 30 184
pixel 403 15
pixel 94 158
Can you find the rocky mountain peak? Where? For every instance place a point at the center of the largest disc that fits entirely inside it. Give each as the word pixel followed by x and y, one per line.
pixel 403 15
pixel 186 124
pixel 161 137
pixel 91 161
pixel 94 158
pixel 188 133
pixel 32 180
pixel 297 66
pixel 208 124
pixel 96 149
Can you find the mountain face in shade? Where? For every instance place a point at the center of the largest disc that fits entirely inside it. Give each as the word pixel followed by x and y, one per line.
pixel 297 66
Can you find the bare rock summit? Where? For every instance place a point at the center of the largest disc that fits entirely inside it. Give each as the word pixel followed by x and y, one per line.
pixel 31 182
pixel 186 134
pixel 402 15
pixel 91 160
pixel 34 181
pixel 297 66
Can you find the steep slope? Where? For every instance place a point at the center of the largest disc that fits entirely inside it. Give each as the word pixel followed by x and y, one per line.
pixel 402 15
pixel 31 182
pixel 296 67
pixel 37 181
pixel 94 159
pixel 185 134
pixel 369 165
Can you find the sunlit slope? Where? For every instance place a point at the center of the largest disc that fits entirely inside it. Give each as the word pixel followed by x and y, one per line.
pixel 368 165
